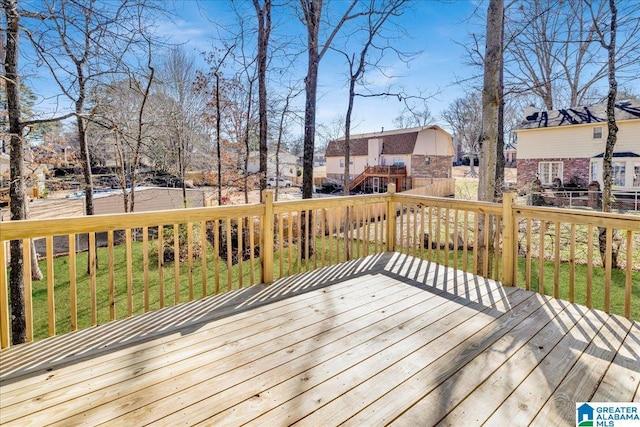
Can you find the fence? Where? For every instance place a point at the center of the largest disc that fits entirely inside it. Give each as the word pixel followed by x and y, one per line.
pixel 154 259
pixel 624 201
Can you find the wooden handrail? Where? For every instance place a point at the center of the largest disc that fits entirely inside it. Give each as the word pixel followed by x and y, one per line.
pixel 343 227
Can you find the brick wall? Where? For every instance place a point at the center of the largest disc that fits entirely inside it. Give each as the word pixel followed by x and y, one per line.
pixel 573 170
pixel 438 167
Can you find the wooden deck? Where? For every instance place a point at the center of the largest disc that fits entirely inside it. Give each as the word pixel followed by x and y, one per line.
pixel 389 339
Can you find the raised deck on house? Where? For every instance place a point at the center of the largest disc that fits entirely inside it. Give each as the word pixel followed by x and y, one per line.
pixel 388 339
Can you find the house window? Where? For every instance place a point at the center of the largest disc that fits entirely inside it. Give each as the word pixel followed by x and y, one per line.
pixel 398 161
pixel 594 174
pixel 618 170
pixel 427 160
pixel 636 175
pixel 341 163
pixel 597 132
pixel 547 171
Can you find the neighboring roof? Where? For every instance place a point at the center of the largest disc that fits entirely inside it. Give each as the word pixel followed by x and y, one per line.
pixel 399 141
pixel 622 154
pixel 625 110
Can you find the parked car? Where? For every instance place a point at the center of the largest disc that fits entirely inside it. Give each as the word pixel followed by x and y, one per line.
pixel 282 183
pixel 330 188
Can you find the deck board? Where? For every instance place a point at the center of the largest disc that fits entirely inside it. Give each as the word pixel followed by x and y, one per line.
pixel 387 339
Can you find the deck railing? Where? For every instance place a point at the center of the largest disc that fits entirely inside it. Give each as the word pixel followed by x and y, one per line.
pixel 101 268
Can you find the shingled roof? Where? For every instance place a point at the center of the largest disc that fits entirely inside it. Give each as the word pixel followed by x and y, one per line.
pixel 393 142
pixel 626 110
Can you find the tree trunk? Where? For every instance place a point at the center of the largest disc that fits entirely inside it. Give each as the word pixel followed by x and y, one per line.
pixel 313 14
pixel 17 187
pixel 488 143
pixel 264 29
pixel 218 138
pixel 612 134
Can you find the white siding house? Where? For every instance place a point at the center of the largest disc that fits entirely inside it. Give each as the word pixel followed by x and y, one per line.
pixel 425 151
pixel 569 145
pixel 287 163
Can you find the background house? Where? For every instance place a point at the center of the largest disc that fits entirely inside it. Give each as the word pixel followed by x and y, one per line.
pixel 569 145
pixel 286 161
pixel 425 152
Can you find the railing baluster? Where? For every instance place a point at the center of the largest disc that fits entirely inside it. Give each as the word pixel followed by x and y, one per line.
pixel 556 258
pixel 338 230
pixel 323 232
pixel 627 284
pixel 496 249
pixel 128 248
pixel 203 257
pixel 28 288
pixel 307 236
pixel 216 254
pixel 5 324
pixel 465 238
pixel 541 258
pixel 485 261
pixel 73 285
pixel 190 257
pixel 528 256
pixel 290 241
pixel 589 264
pixel 446 237
pixel 572 262
pixel 229 255
pixel 92 278
pixel 176 264
pixel 252 266
pixel 240 252
pixel 145 262
pixel 161 266
pixel 455 239
pixel 314 236
pixel 476 240
pixel 112 276
pixel 607 270
pixel 281 241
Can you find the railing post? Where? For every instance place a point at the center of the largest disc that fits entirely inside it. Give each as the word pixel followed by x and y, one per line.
pixel 509 250
pixel 4 299
pixel 391 218
pixel 266 246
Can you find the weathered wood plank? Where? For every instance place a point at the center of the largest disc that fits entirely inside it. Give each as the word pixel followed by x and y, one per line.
pixel 621 381
pixel 530 395
pixel 583 379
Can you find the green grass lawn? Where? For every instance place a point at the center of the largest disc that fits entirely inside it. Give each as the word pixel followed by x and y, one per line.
pixel 229 280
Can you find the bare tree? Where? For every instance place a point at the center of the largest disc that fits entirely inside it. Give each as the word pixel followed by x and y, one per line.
pixel 464 116
pixel 414 116
pixel 491 112
pixel 182 110
pixel 312 18
pixel 17 187
pixel 80 43
pixel 358 62
pixel 607 37
pixel 121 118
pixel 213 91
pixel 264 29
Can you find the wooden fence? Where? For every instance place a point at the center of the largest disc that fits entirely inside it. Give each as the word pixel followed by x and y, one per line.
pixel 139 262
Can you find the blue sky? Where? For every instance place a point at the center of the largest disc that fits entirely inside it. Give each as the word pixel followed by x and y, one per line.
pixel 435 27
